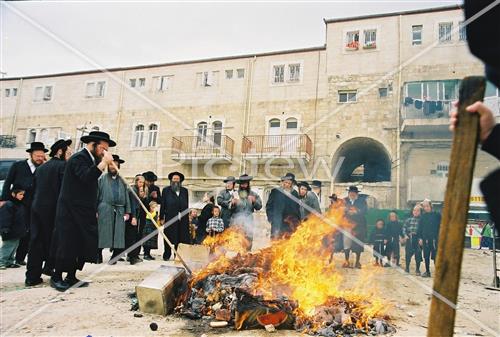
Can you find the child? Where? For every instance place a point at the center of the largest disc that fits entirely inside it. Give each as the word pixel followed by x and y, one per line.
pixel 410 229
pixel 215 224
pixel 394 232
pixel 149 227
pixel 377 238
pixel 428 234
pixel 12 226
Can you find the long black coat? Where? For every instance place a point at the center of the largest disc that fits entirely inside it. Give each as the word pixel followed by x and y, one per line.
pixel 283 212
pixel 490 186
pixel 171 206
pixel 75 233
pixel 358 221
pixel 47 182
pixel 20 174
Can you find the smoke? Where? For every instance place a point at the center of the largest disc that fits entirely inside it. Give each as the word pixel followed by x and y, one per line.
pixel 245 221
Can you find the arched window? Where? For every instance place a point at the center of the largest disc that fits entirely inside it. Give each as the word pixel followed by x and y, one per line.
pixel 44 135
pixel 152 134
pixel 274 127
pixel 138 135
pixel 292 125
pixel 31 136
pixel 217 133
pixel 201 135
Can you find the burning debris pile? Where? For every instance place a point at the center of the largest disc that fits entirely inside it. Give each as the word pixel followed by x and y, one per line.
pixel 289 285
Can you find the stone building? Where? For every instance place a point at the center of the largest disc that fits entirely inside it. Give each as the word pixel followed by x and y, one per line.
pixel 370 107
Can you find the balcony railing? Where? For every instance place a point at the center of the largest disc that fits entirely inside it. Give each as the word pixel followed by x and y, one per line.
pixel 7 141
pixel 426 109
pixel 279 146
pixel 199 147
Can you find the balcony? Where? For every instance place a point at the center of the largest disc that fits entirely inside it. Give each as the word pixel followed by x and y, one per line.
pixel 428 117
pixel 7 141
pixel 296 146
pixel 202 149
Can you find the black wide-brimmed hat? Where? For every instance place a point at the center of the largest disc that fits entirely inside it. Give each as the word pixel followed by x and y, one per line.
pixel 288 176
pixel 60 144
pixel 96 136
pixel 353 189
pixel 316 183
pixel 244 178
pixel 172 174
pixel 230 179
pixel 150 176
pixel 305 184
pixel 37 146
pixel 118 159
pixel 333 196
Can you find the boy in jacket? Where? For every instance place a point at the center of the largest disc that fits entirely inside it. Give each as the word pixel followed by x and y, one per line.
pixel 12 226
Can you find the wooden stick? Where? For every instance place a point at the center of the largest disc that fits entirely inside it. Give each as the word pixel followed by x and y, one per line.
pixel 456 207
pixel 152 219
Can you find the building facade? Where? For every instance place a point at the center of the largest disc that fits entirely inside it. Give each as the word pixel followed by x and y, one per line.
pixel 370 107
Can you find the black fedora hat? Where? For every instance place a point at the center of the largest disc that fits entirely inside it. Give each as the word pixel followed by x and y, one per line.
pixel 230 179
pixel 316 183
pixel 305 184
pixel 118 159
pixel 288 176
pixel 37 146
pixel 353 188
pixel 244 178
pixel 172 174
pixel 60 144
pixel 96 136
pixel 150 176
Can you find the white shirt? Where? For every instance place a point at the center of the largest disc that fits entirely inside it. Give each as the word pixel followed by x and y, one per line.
pixel 31 165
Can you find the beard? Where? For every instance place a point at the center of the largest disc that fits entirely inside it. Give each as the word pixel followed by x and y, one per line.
pixel 176 186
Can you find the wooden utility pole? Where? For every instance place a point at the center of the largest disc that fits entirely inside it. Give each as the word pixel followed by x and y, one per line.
pixel 456 207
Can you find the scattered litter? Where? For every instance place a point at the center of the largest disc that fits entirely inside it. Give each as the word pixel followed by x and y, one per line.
pixel 380 327
pixel 153 326
pixel 50 326
pixel 134 303
pixel 216 306
pixel 410 314
pixel 477 310
pixel 137 315
pixel 270 328
pixel 57 299
pixel 218 324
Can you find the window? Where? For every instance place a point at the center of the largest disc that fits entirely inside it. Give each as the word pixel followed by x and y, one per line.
pixel 446 90
pixel 163 83
pixel 445 29
pixel 442 169
pixel 207 78
pixel 240 72
pixel 274 127
pixel 142 82
pixel 138 135
pixel 7 92
pixel 370 39
pixel 217 133
pixel 416 35
pixel 491 90
pixel 279 73
pixel 292 124
pixel 294 72
pixel 347 96
pixel 229 74
pixel 352 40
pixel 31 136
pixel 382 92
pixel 95 89
pixel 462 32
pixel 201 132
pixel 152 135
pixel 44 136
pixel 132 82
pixel 43 93
pixel 13 92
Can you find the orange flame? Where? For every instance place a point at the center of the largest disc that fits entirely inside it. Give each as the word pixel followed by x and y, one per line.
pixel 298 267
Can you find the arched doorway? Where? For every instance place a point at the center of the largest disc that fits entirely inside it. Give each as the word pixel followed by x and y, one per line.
pixel 365 160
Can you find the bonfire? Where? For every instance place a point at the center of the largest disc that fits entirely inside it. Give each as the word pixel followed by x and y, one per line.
pixel 289 285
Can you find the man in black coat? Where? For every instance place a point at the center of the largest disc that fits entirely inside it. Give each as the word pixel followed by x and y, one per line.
pixel 428 234
pixel 175 207
pixel 75 235
pixel 22 173
pixel 282 208
pixel 154 191
pixel 47 182
pixel 355 213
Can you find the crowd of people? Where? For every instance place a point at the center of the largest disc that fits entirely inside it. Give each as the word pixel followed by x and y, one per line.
pixel 60 214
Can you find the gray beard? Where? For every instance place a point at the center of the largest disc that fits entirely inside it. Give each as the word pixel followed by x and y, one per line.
pixel 176 187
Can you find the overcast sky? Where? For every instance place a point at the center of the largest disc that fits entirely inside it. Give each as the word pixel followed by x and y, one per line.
pixel 114 34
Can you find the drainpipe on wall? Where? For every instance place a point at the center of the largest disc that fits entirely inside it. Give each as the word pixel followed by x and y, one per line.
pixel 16 109
pixel 120 108
pixel 316 110
pixel 398 129
pixel 248 108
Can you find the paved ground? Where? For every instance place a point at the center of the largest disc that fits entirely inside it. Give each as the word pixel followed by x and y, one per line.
pixel 103 309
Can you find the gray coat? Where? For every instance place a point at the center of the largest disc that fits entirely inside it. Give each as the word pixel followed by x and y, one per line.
pixel 245 206
pixel 224 201
pixel 310 200
pixel 111 225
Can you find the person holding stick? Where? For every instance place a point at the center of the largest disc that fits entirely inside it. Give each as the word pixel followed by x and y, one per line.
pixel 75 235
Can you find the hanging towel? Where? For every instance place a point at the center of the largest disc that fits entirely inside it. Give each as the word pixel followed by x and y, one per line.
pixel 418 104
pixel 408 101
pixel 439 106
